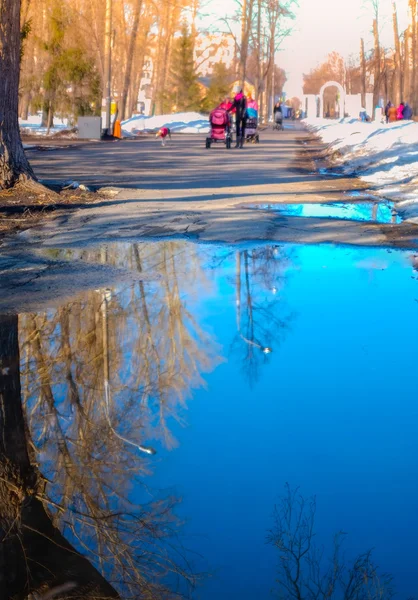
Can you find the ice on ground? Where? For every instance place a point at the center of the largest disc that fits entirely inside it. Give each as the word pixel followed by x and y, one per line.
pixel 187 122
pixel 383 155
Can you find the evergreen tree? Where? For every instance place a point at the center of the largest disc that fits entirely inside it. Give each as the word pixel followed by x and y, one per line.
pixel 219 88
pixel 184 92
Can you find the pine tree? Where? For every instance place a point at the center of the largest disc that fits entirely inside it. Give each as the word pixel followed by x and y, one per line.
pixel 184 93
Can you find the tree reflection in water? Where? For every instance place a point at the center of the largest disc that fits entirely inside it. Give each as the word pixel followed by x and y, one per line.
pixel 259 277
pixel 92 395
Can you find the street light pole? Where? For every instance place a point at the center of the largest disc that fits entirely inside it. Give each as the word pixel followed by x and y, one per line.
pixel 107 80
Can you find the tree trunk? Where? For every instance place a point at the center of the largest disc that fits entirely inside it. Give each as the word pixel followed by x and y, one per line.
pixel 258 75
pixel 243 52
pixel 24 106
pixel 406 67
pixel 14 166
pixel 362 74
pixel 34 556
pixel 129 60
pixel 397 75
pixel 413 76
pixel 377 66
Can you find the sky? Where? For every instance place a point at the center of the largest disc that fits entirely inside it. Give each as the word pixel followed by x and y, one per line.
pixel 322 26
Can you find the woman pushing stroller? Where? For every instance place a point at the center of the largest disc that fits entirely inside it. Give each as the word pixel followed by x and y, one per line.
pixel 239 106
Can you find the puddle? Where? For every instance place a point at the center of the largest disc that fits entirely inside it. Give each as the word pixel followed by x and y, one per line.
pixel 197 395
pixel 375 212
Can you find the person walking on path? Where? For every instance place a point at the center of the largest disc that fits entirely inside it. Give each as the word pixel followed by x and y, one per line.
pixel 392 114
pixel 399 114
pixel 407 112
pixel 240 107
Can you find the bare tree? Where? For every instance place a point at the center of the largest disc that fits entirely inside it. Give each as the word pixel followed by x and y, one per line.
pixel 397 75
pixel 304 570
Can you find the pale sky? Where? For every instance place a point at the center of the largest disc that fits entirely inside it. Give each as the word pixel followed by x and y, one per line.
pixel 322 26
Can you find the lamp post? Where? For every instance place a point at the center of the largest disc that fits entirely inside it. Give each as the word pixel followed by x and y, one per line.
pixel 107 79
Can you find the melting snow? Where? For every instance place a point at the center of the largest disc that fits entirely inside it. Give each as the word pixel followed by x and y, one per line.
pixel 383 155
pixel 190 122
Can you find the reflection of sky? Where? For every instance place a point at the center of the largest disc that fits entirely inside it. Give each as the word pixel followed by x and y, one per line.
pixel 334 411
pixel 357 211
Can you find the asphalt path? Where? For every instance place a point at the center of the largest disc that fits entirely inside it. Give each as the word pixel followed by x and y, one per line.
pixel 181 191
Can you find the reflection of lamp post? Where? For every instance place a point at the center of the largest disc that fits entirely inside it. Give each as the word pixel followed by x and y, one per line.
pixel 264 349
pixel 106 297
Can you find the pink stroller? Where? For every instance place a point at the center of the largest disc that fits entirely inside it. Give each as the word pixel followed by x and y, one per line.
pixel 220 128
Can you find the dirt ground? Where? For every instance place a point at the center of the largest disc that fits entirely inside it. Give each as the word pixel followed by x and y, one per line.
pixel 183 190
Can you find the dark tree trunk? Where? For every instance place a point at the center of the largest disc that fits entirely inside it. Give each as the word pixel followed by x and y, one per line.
pixel 14 166
pixel 34 555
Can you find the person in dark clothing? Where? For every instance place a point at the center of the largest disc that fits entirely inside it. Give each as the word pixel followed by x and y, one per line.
pixel 387 107
pixel 240 107
pixel 278 114
pixel 407 112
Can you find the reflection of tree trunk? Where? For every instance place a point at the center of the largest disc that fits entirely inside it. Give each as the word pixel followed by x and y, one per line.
pixel 250 332
pixel 34 555
pixel 238 290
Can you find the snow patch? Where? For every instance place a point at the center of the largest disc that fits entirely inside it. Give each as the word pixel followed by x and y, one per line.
pixel 188 122
pixel 383 155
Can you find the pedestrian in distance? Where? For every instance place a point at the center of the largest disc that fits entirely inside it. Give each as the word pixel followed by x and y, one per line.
pixel 240 107
pixel 387 107
pixel 363 115
pixel 400 109
pixel 278 116
pixel 392 114
pixel 407 112
pixel 164 133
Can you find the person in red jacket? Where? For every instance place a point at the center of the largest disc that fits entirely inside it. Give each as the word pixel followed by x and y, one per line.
pixel 226 104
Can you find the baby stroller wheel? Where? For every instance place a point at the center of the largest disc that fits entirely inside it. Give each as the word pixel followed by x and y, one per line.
pixel 228 143
pixel 208 142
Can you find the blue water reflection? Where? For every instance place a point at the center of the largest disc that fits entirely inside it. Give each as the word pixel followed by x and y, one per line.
pixel 379 212
pixel 249 368
pixel 333 410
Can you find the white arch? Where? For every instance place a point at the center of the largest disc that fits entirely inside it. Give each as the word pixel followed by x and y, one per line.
pixel 342 97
